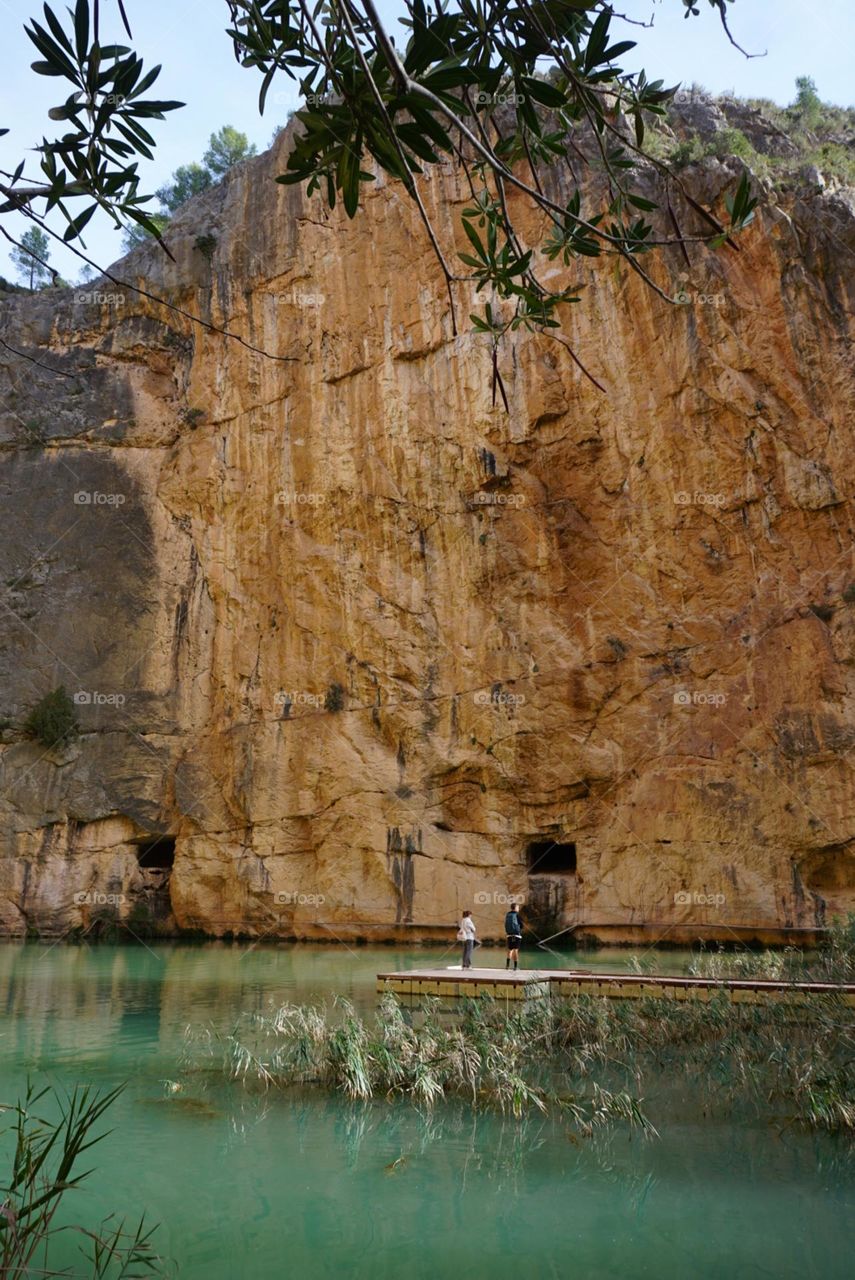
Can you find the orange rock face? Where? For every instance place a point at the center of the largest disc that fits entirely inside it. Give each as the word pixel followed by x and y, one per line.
pixel 370 650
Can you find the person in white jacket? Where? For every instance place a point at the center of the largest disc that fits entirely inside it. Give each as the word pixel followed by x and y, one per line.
pixel 467 935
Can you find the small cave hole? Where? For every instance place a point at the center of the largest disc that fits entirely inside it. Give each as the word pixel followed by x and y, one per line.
pixel 551 858
pixel 157 854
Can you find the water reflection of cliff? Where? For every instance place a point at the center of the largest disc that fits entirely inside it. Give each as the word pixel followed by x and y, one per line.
pixel 66 1003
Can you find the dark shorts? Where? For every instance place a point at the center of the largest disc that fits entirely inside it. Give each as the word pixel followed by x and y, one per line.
pixel 514 941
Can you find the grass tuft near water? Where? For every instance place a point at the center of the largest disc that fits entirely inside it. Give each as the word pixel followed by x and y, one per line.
pixel 588 1057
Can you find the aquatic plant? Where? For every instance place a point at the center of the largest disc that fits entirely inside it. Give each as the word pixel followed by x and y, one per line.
pixel 588 1057
pixel 832 961
pixel 484 1057
pixel 44 1167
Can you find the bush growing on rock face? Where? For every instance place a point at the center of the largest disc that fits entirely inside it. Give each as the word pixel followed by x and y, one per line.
pixel 53 721
pixel 206 245
pixel 191 417
pixel 334 700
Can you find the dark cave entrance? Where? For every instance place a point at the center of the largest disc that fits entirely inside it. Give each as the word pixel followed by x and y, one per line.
pixel 157 854
pixel 552 885
pixel 551 858
pixel 151 913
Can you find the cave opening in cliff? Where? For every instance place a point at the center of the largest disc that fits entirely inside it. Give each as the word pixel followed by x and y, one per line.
pixel 551 858
pixel 157 854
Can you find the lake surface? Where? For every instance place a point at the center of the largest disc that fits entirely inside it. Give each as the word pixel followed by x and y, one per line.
pixel 300 1184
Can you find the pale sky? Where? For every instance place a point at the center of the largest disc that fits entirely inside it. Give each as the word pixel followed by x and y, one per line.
pixel 187 38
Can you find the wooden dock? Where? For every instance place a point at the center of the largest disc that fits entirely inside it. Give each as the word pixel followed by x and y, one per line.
pixel 533 984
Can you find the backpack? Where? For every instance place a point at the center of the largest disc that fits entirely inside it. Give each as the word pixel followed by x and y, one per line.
pixel 512 924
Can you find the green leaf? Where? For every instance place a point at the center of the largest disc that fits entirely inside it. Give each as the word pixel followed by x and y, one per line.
pixel 544 92
pixel 597 40
pixel 641 202
pixel 475 240
pixel 413 137
pixel 77 224
pixel 56 27
pixel 46 69
pixel 348 180
pixel 81 28
pixel 615 50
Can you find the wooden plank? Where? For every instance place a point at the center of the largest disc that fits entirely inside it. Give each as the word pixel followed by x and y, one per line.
pixel 537 983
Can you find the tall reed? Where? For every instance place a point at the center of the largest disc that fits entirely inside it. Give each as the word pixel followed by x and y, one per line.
pixel 44 1167
pixel 588 1056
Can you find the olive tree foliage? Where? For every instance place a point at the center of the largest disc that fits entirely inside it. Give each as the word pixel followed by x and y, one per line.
pixel 95 161
pixel 509 90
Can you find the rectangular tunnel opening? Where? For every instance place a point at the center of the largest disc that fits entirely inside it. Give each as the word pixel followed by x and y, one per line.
pixel 551 858
pixel 157 854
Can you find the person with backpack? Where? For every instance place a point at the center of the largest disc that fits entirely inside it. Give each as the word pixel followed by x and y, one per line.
pixel 513 931
pixel 466 935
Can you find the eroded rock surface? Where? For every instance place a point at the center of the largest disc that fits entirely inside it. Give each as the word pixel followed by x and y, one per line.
pixel 361 643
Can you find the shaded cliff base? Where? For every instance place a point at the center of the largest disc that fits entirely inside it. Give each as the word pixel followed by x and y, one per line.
pixel 114 881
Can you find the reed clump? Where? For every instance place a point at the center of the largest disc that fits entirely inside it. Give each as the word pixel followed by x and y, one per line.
pixel 479 1055
pixel 40 1166
pixel 590 1057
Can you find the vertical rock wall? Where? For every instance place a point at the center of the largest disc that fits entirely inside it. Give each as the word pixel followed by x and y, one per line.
pixel 357 640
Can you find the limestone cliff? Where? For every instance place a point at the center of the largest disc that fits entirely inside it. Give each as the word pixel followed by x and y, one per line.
pixel 354 648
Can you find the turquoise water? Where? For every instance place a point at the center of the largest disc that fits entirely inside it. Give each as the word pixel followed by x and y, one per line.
pixel 300 1184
